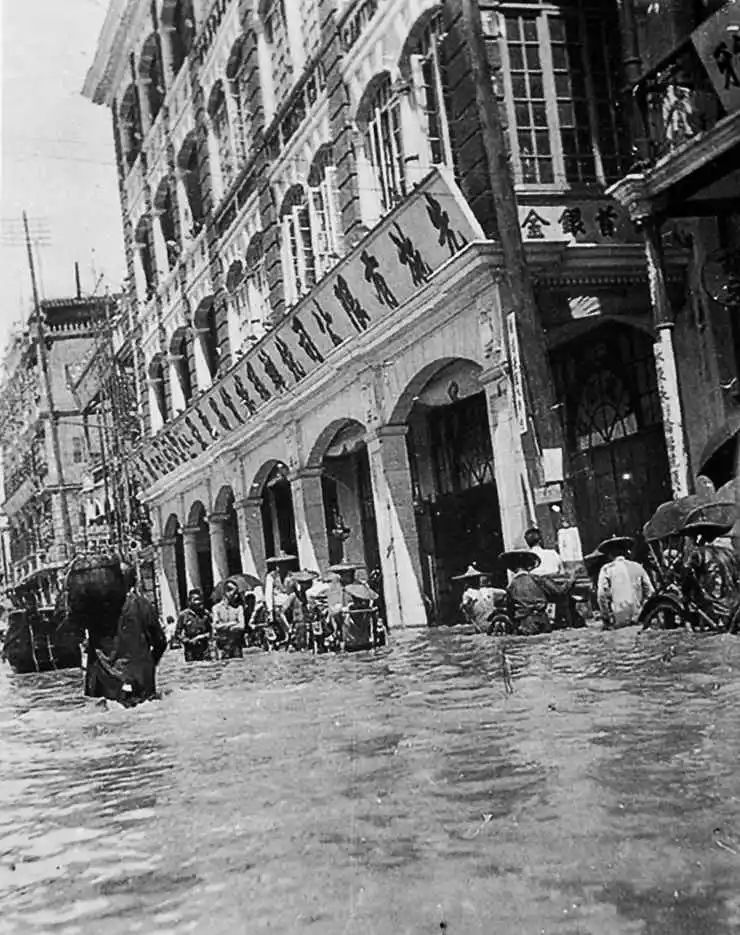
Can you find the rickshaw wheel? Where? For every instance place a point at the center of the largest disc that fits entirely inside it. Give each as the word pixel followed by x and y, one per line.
pixel 663 615
pixel 500 625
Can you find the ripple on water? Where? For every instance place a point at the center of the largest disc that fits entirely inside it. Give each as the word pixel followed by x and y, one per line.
pixel 384 792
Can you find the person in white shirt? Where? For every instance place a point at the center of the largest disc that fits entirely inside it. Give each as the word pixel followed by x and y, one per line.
pixel 623 585
pixel 550 561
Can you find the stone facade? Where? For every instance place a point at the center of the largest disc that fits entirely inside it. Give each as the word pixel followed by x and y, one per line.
pixel 258 144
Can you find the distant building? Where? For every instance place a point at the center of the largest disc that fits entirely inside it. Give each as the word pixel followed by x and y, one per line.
pixel 320 207
pixel 45 444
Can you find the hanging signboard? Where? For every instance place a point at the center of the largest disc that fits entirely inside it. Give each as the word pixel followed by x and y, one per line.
pixel 372 282
pixel 516 373
pixel 717 43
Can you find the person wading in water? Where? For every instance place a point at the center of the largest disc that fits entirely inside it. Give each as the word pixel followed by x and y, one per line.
pixel 194 628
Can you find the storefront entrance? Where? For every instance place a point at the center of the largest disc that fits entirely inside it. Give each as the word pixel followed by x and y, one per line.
pixel 455 496
pixel 606 382
pixel 278 519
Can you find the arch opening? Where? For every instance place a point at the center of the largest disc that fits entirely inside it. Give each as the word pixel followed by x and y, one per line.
pixel 278 516
pixel 198 523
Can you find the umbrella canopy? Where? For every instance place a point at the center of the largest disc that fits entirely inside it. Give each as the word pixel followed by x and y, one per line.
pixel 711 519
pixel 670 517
pixel 717 460
pixel 243 582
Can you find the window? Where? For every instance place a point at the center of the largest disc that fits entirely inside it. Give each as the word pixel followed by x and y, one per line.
pixel 220 124
pixel 180 29
pixel 165 211
pixel 299 264
pixel 181 366
pixel 561 78
pixel 77 449
pixel 428 76
pixel 258 291
pixel 276 36
pixel 384 146
pixel 324 222
pixel 130 126
pixel 237 75
pixel 188 164
pixel 146 257
pixel 152 75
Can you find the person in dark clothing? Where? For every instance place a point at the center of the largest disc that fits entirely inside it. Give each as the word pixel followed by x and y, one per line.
pixel 194 629
pixel 139 644
pixel 527 604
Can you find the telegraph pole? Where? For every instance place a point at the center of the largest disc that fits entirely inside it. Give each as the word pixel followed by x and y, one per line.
pixel 548 430
pixel 47 390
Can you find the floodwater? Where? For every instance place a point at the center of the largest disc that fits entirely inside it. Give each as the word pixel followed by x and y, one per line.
pixel 401 792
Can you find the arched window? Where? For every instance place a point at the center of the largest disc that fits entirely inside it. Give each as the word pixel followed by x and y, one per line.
pixel 164 208
pixel 142 241
pixel 325 223
pixel 383 142
pixel 158 386
pixel 427 73
pixel 152 74
pixel 178 21
pixel 237 75
pixel 258 291
pixel 299 265
pixel 130 125
pixel 275 29
pixel 187 162
pixel 180 355
pixel 207 329
pixel 219 116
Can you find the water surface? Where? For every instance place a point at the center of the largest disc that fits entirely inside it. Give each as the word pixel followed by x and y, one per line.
pixel 391 793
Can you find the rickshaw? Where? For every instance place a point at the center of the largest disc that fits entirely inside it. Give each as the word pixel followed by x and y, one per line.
pixel 697 581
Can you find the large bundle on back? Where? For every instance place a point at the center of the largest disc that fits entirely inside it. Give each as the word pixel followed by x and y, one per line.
pixel 96 590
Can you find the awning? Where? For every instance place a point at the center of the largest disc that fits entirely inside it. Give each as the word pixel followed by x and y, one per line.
pixel 717 460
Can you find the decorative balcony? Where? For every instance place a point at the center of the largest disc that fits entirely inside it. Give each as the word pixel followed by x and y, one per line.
pixel 689 105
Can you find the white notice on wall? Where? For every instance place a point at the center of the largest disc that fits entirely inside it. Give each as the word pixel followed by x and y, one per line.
pixel 516 373
pixel 569 544
pixel 552 465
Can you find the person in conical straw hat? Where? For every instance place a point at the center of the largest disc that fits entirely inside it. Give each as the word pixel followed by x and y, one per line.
pixel 526 601
pixel 298 609
pixel 623 586
pixel 277 589
pixel 478 602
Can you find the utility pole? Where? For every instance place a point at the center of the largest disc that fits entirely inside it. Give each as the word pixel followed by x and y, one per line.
pixel 548 430
pixel 47 391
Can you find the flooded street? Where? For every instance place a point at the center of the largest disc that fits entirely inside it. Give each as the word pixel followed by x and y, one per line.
pixel 403 792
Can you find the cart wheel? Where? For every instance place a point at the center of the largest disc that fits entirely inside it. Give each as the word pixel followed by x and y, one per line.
pixel 500 625
pixel 663 615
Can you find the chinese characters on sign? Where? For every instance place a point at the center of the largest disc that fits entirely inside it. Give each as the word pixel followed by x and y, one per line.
pixel 516 373
pixel 717 42
pixel 391 264
pixel 587 222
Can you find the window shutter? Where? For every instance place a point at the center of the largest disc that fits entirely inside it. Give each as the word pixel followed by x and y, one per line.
pixel 287 258
pixel 299 255
pixel 317 229
pixel 333 218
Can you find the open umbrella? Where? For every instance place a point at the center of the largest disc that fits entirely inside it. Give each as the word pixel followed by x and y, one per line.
pixel 243 582
pixel 717 460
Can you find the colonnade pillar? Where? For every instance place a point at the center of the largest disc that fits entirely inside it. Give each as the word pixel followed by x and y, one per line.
pixel 516 501
pixel 219 555
pixel 167 573
pixel 310 521
pixel 190 548
pixel 251 535
pixel 396 526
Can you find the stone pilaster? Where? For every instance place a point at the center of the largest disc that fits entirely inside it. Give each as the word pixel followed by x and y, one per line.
pixel 310 522
pixel 166 565
pixel 190 548
pixel 251 535
pixel 396 526
pixel 219 555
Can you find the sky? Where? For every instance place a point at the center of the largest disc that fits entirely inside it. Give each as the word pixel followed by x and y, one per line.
pixel 57 160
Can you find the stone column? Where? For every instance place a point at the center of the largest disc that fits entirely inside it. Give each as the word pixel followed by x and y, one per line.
pixel 310 522
pixel 219 556
pixel 192 570
pixel 516 502
pixel 251 535
pixel 396 526
pixel 167 573
pixel 665 360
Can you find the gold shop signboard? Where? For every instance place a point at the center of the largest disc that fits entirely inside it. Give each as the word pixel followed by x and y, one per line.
pixel 394 261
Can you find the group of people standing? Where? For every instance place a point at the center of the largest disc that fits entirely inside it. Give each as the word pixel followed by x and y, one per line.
pixel 290 609
pixel 539 593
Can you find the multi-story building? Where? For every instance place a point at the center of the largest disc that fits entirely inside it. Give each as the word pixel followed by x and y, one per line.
pixel 44 443
pixel 383 301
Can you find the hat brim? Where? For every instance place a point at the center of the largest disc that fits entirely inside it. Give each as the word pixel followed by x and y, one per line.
pixel 361 592
pixel 344 566
pixel 469 575
pixel 304 577
pixel 706 529
pixel 520 558
pixel 616 542
pixel 281 559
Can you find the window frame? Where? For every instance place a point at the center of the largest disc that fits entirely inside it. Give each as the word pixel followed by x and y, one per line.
pixel 543 15
pixel 386 156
